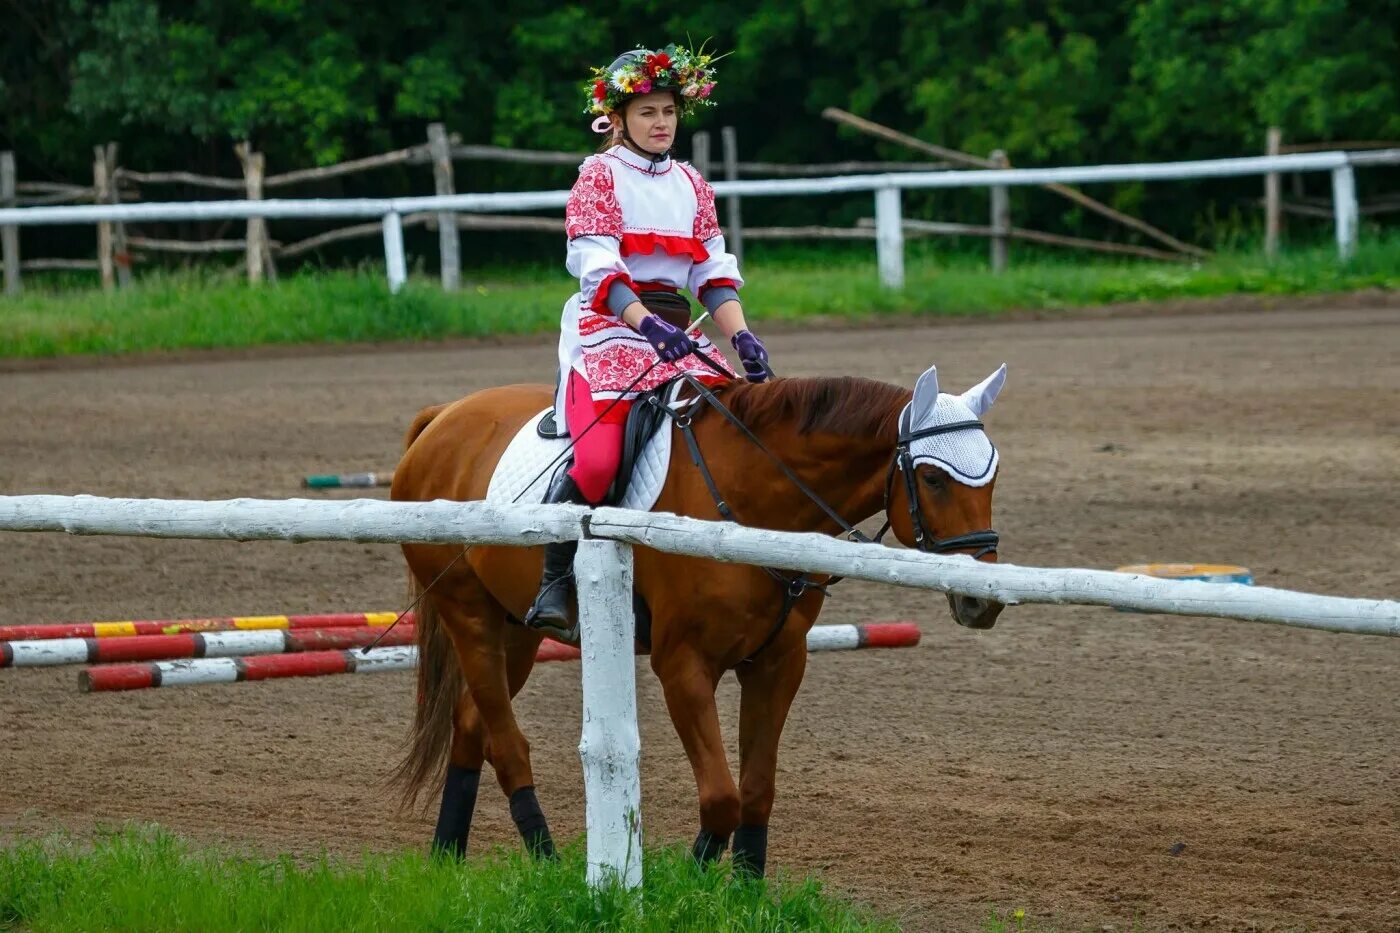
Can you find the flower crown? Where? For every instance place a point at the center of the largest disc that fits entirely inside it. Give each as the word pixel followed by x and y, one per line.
pixel 690 74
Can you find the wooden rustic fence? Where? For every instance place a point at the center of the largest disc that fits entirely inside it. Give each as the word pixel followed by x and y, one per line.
pixel 119 248
pixel 1300 204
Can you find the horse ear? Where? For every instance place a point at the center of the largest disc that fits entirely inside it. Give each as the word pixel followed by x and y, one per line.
pixel 925 396
pixel 981 396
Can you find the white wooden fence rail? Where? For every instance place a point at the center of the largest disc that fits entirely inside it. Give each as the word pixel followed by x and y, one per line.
pixel 609 745
pixel 890 236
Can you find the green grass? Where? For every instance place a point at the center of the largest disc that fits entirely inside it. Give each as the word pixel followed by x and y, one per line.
pixel 179 310
pixel 146 879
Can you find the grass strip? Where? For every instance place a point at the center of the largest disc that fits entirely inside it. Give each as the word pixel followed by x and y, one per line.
pixel 144 878
pixel 210 309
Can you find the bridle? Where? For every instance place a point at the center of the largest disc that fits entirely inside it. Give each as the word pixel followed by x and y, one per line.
pixel 984 542
pixel 794 588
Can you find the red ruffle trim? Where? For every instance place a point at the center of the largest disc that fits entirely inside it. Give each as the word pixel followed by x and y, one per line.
pixel 600 297
pixel 648 243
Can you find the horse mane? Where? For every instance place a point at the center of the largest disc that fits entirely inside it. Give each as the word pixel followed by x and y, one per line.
pixel 848 406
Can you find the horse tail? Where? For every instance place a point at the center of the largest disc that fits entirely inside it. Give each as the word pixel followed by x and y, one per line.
pixel 440 681
pixel 421 422
pixel 440 686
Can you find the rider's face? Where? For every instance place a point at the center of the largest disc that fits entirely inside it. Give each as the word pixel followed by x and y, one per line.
pixel 651 121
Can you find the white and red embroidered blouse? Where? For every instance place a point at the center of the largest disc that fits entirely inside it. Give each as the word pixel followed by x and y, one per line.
pixel 649 227
pixel 646 225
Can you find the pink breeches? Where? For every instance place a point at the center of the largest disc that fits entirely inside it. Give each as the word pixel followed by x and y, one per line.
pixel 598 453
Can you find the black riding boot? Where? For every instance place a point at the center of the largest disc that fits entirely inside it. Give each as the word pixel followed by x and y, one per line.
pixel 552 612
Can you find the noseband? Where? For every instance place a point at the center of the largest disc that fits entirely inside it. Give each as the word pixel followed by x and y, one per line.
pixel 982 542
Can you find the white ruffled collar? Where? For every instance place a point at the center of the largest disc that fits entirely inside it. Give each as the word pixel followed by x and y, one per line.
pixel 640 163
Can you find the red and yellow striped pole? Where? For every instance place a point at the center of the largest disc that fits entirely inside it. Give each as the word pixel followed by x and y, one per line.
pixel 178 626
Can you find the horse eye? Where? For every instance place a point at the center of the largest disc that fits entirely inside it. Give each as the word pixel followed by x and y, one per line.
pixel 933 480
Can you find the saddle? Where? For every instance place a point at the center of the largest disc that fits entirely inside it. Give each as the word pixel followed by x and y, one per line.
pixel 648 412
pixel 647 416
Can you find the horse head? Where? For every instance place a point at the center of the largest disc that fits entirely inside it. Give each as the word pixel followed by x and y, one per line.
pixel 938 494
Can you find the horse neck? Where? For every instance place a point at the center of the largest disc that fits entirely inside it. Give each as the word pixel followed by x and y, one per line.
pixel 847 471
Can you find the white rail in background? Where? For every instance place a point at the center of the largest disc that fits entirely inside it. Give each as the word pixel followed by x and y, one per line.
pixel 890 235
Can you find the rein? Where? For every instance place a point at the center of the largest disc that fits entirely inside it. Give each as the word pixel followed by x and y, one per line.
pixel 794 588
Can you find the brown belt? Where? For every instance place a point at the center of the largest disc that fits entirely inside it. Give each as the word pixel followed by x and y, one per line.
pixel 672 308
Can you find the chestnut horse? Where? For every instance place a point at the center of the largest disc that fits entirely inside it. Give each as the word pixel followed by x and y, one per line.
pixel 847 439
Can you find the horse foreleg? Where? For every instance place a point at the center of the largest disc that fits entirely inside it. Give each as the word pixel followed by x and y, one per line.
pixel 471 749
pixel 768 684
pixel 689 684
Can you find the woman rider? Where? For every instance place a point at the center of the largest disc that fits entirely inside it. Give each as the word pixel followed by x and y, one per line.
pixel 641 227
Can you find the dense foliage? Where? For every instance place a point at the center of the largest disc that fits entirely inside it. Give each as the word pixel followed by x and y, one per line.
pixel 1068 81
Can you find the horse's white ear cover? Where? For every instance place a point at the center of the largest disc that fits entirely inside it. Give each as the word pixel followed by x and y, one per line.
pixel 925 396
pixel 981 396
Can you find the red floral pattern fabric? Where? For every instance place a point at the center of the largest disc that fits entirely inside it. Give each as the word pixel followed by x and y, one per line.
pixel 615 354
pixel 706 220
pixel 593 208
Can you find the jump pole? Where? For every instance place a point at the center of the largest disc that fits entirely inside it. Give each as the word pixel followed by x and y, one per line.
pixel 177 626
pixel 347 480
pixel 257 667
pixel 317 663
pixel 56 651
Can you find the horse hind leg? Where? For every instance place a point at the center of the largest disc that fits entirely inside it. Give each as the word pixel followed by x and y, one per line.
pixel 471 749
pixel 459 789
pixel 495 664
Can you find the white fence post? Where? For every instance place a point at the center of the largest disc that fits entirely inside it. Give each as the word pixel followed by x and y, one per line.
pixel 393 252
pixel 1344 209
pixel 610 746
pixel 889 237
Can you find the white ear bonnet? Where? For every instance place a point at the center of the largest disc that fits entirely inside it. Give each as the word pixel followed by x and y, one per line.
pixel 967 455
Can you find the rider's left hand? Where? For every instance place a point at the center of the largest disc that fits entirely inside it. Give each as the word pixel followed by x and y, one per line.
pixel 753 355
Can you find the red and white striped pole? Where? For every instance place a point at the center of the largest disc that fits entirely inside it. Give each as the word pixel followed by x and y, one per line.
pixel 257 667
pixel 316 663
pixel 50 652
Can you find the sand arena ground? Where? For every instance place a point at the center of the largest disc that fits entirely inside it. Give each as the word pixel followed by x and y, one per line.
pixel 1050 764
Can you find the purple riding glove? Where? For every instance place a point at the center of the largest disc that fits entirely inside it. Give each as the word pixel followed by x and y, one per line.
pixel 670 343
pixel 753 355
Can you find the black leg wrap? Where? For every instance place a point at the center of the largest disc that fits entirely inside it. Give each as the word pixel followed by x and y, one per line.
pixel 454 821
pixel 750 850
pixel 709 847
pixel 529 819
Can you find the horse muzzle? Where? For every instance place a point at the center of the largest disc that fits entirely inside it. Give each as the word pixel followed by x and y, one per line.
pixel 973 611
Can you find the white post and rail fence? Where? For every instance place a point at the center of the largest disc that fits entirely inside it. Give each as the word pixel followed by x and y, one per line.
pixel 610 747
pixel 890 227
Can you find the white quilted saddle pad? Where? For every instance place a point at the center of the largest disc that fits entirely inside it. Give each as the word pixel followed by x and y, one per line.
pixel 528 454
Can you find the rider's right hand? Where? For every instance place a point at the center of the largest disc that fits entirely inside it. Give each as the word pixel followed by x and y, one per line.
pixel 671 343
